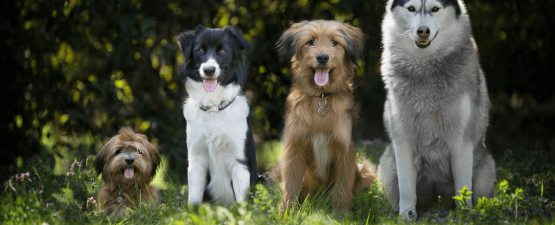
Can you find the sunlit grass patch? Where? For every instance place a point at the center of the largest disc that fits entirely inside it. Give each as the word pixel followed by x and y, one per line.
pixel 158 181
pixel 524 196
pixel 373 206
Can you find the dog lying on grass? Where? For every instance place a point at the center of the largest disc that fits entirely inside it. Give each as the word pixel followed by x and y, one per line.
pixel 128 162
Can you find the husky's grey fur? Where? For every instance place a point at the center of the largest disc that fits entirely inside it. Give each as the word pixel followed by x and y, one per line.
pixel 436 112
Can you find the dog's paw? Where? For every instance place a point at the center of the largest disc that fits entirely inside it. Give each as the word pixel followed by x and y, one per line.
pixel 194 200
pixel 409 214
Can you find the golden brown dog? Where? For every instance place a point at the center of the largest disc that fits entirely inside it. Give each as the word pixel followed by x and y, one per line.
pixel 127 163
pixel 319 112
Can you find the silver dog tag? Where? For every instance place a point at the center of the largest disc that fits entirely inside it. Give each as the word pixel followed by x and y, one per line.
pixel 322 108
pixel 119 199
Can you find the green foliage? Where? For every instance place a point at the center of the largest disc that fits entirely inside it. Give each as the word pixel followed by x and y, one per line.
pixel 533 170
pixel 491 210
pixel 52 197
pixel 40 196
pixel 79 70
pixel 373 206
pixel 88 67
pixel 269 154
pixel 463 206
pixel 25 209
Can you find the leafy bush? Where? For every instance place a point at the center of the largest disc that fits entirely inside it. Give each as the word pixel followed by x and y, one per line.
pixel 491 210
pixel 87 67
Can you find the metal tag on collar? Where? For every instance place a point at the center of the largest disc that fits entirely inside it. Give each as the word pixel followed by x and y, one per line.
pixel 119 199
pixel 322 108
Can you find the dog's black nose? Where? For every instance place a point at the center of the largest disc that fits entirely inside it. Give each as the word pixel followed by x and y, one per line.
pixel 322 58
pixel 209 70
pixel 129 161
pixel 423 31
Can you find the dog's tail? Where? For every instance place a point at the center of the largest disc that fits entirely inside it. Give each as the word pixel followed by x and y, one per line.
pixel 366 174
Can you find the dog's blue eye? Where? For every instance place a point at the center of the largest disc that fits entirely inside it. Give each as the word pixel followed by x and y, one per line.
pixel 200 50
pixel 411 9
pixel 311 42
pixel 334 43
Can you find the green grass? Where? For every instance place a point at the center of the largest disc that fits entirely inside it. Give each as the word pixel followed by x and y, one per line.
pixel 62 189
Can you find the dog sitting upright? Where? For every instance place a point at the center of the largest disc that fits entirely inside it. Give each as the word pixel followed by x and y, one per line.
pixel 437 107
pixel 221 150
pixel 319 111
pixel 127 163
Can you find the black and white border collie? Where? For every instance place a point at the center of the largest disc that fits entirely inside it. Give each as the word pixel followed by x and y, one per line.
pixel 221 150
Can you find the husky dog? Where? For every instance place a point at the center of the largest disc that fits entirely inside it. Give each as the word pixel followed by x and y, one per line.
pixel 436 112
pixel 222 152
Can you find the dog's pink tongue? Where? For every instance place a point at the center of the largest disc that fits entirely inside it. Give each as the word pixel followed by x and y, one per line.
pixel 128 173
pixel 321 78
pixel 210 86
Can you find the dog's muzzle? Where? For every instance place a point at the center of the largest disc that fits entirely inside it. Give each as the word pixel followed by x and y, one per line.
pixel 425 44
pixel 422 44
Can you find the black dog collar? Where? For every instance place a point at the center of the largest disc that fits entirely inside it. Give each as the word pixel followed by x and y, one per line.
pixel 221 106
pixel 323 95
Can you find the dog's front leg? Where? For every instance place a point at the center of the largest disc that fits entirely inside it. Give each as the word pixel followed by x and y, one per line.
pixel 198 167
pixel 344 170
pixel 293 167
pixel 407 174
pixel 240 176
pixel 197 179
pixel 461 165
pixel 240 179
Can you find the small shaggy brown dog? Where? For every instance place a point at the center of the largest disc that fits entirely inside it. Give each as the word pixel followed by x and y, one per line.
pixel 319 112
pixel 127 163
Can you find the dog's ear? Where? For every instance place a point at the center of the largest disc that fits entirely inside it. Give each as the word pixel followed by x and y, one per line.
pixel 355 42
pixel 186 40
pixel 103 155
pixel 287 43
pixel 237 36
pixel 153 153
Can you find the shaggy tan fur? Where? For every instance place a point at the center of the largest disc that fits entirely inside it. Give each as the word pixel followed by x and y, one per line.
pixel 110 161
pixel 302 166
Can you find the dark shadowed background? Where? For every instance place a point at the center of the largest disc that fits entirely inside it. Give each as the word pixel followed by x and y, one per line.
pixel 74 72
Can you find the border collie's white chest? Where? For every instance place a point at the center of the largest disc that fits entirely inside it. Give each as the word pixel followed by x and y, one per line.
pixel 216 142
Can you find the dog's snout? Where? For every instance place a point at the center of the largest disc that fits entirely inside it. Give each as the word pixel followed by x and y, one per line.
pixel 322 58
pixel 423 31
pixel 129 160
pixel 209 70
